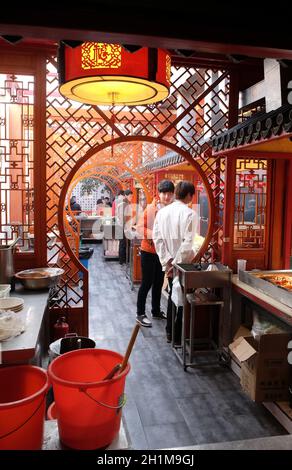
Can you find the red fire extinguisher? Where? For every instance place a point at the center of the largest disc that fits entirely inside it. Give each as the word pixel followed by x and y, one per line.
pixel 61 328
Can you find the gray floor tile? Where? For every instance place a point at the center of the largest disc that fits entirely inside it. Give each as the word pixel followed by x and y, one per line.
pixel 167 435
pixel 134 426
pixel 156 407
pixel 166 406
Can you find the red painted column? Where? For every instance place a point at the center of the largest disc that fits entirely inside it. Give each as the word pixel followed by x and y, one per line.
pixel 230 170
pixel 288 217
pixel 228 218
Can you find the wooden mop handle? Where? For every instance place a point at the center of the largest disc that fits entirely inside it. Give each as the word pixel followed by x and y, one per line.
pixel 120 367
pixel 130 347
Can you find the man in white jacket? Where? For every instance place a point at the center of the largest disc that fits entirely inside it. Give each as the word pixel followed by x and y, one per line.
pixel 173 235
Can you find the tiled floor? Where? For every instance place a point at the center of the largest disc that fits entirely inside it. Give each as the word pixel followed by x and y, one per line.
pixel 167 407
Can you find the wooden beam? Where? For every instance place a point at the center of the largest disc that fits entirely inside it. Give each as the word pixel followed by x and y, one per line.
pixel 156 24
pixel 267 155
pixel 255 154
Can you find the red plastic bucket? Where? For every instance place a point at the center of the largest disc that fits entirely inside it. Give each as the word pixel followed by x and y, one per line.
pixel 89 408
pixel 52 411
pixel 22 407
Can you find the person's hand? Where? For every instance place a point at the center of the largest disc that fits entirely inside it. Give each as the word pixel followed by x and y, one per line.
pixel 169 264
pixel 169 268
pixel 169 273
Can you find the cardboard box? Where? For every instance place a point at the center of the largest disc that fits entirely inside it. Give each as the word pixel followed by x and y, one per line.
pixel 265 371
pixel 242 331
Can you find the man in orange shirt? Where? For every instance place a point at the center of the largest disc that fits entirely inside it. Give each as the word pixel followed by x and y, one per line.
pixel 152 274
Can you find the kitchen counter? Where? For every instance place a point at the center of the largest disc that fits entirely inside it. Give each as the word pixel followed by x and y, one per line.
pixel 91 227
pixel 278 309
pixel 261 302
pixel 26 347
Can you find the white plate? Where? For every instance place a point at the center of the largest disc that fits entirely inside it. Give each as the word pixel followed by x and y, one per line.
pixel 11 303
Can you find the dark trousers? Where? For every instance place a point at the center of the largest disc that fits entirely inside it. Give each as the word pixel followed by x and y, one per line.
pixel 123 250
pixel 178 316
pixel 152 276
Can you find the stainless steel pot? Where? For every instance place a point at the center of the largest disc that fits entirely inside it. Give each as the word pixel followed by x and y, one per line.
pixel 72 342
pixel 39 278
pixel 69 343
pixel 6 263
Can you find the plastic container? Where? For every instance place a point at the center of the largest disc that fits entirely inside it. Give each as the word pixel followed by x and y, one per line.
pixel 12 323
pixel 55 347
pixel 84 261
pixel 89 408
pixel 52 411
pixel 72 342
pixel 5 290
pixel 85 253
pixel 241 265
pixel 85 264
pixel 22 407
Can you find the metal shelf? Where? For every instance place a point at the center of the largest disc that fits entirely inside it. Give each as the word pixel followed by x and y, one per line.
pixel 193 278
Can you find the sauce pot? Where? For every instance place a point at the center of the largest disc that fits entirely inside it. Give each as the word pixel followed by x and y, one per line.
pixel 6 263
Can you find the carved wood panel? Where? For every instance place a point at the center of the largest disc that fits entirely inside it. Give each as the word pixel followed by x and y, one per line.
pixel 196 110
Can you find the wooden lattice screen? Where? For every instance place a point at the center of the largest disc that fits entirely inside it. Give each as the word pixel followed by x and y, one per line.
pixel 17 160
pixel 250 215
pixel 196 109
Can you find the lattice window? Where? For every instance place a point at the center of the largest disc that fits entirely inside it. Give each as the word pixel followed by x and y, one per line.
pixel 250 204
pixel 17 160
pixel 196 109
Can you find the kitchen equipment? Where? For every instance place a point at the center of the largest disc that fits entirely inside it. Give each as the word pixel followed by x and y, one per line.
pixel 241 265
pixel 6 263
pixel 276 284
pixel 4 290
pixel 217 287
pixel 55 347
pixel 72 342
pixel 39 278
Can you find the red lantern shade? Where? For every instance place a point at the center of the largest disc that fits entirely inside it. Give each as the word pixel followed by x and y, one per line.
pixel 106 74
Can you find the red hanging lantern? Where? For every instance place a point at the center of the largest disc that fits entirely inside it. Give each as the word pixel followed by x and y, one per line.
pixel 107 74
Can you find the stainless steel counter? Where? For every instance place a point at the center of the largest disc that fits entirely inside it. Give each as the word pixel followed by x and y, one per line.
pixel 191 277
pixel 25 347
pixel 266 282
pixel 91 227
pixel 272 305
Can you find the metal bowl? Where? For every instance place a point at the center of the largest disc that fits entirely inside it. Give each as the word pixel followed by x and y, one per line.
pixel 39 278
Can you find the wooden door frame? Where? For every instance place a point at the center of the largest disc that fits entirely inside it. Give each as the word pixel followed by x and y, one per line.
pixel 23 62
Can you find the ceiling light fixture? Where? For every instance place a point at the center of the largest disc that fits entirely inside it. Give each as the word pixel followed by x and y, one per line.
pixel 95 72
